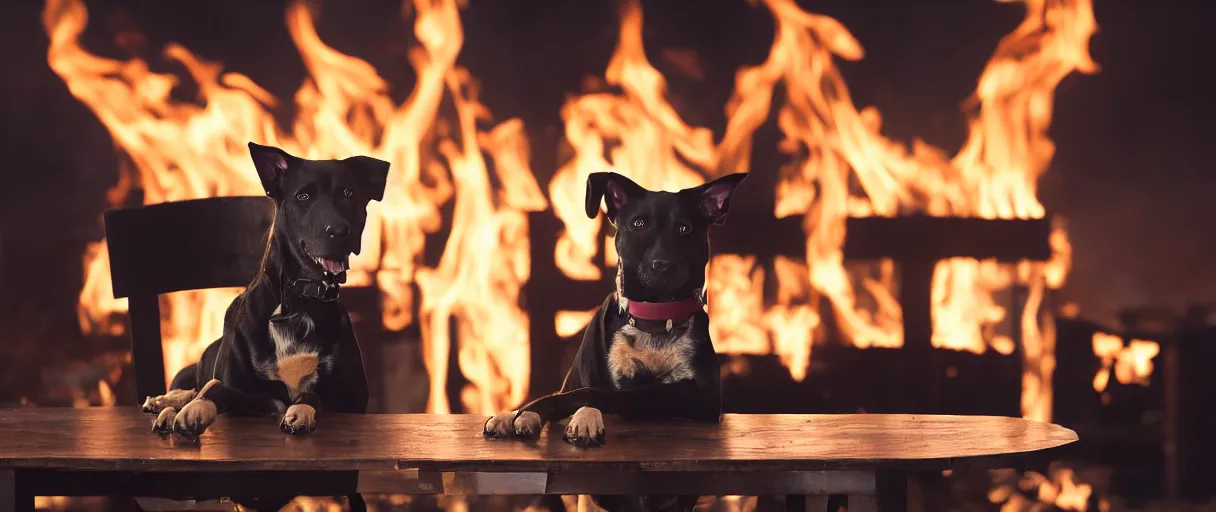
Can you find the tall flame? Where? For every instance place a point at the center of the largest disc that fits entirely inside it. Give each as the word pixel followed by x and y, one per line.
pixel 651 140
pixel 177 150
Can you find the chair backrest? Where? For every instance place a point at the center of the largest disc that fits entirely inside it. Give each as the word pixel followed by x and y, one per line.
pixel 186 245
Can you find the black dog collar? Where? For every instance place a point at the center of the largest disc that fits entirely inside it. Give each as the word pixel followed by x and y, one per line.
pixel 323 290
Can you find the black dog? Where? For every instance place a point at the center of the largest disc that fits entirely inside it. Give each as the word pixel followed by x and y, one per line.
pixel 288 347
pixel 647 352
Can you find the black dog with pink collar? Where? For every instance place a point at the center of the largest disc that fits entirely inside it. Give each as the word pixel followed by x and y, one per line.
pixel 647 352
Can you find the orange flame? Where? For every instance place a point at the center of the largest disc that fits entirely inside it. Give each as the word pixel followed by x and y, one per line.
pixel 180 150
pixel 1029 491
pixel 650 135
pixel 1132 364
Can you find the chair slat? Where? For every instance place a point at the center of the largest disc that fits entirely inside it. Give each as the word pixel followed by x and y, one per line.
pixel 187 245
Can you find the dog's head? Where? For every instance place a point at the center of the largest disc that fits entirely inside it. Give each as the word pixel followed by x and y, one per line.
pixel 662 238
pixel 321 207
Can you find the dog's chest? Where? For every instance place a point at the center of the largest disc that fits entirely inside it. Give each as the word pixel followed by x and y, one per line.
pixel 637 356
pixel 298 356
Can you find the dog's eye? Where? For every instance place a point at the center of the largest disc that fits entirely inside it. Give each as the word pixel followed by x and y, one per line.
pixel 685 229
pixel 639 223
pixel 302 196
pixel 348 192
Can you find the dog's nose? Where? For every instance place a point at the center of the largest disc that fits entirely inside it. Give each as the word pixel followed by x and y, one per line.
pixel 661 265
pixel 337 232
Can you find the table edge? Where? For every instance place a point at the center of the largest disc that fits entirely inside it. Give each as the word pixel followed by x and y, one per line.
pixel 1066 438
pixel 989 461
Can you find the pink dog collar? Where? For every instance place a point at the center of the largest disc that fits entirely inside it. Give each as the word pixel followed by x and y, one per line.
pixel 677 310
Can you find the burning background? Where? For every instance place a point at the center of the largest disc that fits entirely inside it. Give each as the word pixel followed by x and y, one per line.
pixel 478 266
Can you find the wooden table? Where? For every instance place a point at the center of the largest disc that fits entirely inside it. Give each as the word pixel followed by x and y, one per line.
pixel 113 452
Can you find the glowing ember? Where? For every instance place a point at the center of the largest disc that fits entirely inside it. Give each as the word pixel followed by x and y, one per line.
pixel 1132 364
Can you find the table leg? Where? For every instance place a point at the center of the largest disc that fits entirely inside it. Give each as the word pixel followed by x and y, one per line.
pixel 892 491
pixel 865 503
pixel 806 503
pixel 8 490
pixel 11 497
pixel 891 494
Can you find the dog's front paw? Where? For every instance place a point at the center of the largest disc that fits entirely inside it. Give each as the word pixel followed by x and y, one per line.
pixel 499 425
pixel 194 418
pixel 175 399
pixel 163 424
pixel 527 424
pixel 512 423
pixel 586 427
pixel 299 419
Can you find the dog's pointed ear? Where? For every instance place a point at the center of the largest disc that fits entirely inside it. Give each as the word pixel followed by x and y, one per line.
pixel 271 163
pixel 372 174
pixel 713 198
pixel 615 190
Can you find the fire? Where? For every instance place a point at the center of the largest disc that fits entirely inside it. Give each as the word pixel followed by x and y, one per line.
pixel 310 504
pixel 840 165
pixel 174 150
pixel 1031 490
pixel 651 136
pixel 994 175
pixel 1132 364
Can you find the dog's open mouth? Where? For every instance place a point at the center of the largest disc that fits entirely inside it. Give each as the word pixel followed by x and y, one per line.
pixel 330 266
pixel 333 267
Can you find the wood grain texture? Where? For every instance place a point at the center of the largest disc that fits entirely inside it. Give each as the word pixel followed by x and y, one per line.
pixel 120 439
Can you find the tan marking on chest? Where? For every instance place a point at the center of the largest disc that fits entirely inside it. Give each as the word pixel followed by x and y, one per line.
pixel 292 370
pixel 634 351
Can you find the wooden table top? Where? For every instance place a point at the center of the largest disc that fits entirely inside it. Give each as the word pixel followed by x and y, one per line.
pixel 121 439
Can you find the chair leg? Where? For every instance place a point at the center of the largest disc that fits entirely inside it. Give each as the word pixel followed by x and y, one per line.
pixel 356 503
pixel 12 499
pixel 8 490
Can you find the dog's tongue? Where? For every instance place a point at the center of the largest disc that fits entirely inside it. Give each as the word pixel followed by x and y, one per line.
pixel 331 266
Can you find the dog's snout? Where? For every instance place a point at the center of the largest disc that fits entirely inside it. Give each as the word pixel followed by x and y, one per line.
pixel 661 265
pixel 338 232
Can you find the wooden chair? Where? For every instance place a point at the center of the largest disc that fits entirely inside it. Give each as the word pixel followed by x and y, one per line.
pixel 188 245
pixel 171 247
